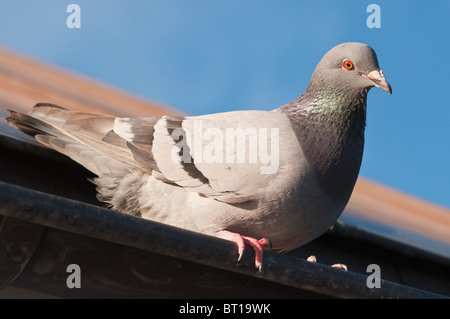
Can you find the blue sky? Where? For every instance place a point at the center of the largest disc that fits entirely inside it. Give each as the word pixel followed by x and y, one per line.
pixel 204 56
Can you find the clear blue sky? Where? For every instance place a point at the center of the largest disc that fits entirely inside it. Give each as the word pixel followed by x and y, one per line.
pixel 204 56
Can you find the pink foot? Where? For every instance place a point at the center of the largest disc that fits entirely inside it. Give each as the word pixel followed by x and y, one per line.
pixel 340 266
pixel 241 241
pixel 313 259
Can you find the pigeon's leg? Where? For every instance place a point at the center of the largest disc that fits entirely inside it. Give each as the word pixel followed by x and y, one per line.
pixel 241 241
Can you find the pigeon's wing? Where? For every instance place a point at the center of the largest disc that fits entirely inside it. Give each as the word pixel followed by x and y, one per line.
pixel 225 156
pixel 77 135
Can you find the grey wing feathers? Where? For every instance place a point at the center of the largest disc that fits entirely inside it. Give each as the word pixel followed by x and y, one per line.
pixel 49 130
pixel 107 146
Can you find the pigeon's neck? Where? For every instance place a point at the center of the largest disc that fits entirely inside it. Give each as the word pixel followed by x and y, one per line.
pixel 336 109
pixel 329 124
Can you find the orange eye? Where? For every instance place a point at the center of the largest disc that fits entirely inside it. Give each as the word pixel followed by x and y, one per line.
pixel 347 64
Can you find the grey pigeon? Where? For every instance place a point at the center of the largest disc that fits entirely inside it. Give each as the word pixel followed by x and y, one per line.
pixel 285 175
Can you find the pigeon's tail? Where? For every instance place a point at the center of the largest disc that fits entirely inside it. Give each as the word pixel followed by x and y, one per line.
pixel 30 125
pixel 89 140
pixel 75 134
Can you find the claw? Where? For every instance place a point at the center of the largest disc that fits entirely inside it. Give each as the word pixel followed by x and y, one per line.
pixel 241 241
pixel 340 266
pixel 265 243
pixel 313 259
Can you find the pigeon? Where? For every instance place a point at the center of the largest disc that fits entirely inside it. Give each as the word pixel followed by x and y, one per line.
pixel 265 179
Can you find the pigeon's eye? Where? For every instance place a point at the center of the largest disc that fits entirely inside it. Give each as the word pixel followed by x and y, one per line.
pixel 347 64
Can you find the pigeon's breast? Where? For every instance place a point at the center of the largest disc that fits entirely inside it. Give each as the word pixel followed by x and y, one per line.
pixel 292 209
pixel 303 211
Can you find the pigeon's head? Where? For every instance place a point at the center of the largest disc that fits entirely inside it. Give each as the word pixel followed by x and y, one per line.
pixel 352 65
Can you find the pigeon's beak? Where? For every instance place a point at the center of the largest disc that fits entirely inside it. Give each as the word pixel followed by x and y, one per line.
pixel 378 79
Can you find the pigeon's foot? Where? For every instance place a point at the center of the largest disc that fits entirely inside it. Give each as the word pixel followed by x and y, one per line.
pixel 241 241
pixel 313 259
pixel 340 266
pixel 265 243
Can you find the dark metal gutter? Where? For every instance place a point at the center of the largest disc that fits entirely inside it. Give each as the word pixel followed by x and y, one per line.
pixel 100 223
pixel 128 257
